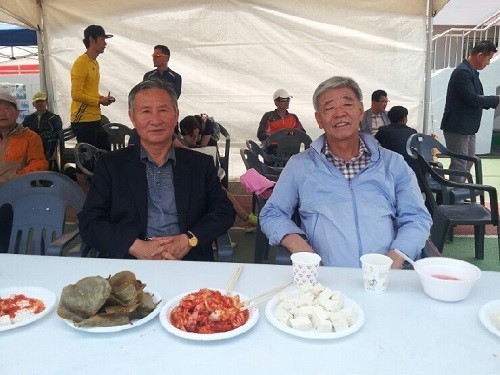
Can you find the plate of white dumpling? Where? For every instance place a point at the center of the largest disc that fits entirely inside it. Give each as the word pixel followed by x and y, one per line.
pixel 315 312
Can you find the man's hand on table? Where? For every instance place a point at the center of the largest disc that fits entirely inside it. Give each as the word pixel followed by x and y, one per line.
pixel 169 248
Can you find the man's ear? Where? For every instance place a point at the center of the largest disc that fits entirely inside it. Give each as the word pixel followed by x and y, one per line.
pixel 316 116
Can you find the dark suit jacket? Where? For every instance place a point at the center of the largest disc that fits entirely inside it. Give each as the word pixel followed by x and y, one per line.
pixel 465 101
pixel 394 137
pixel 115 212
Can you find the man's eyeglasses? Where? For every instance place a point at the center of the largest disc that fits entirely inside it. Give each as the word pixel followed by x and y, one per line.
pixel 282 100
pixel 158 55
pixel 383 101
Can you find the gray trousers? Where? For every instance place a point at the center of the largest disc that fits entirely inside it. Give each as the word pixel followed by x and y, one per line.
pixel 460 144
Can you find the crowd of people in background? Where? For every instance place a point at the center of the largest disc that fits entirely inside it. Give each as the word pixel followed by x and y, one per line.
pixel 175 206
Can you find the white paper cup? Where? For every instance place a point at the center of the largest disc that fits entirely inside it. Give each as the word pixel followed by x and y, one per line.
pixel 305 268
pixel 375 272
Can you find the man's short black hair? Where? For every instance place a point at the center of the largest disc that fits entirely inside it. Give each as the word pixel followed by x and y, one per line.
pixel 484 46
pixel 397 114
pixel 377 94
pixel 188 124
pixel 163 49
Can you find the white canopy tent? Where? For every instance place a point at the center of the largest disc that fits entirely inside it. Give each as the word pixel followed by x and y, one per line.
pixel 233 55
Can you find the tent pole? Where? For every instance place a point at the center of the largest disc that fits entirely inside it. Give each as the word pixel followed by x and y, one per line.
pixel 45 78
pixel 428 60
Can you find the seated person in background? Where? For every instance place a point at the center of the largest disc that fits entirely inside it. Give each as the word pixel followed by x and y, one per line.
pixel 278 119
pixel 353 196
pixel 43 122
pixel 151 200
pixel 395 135
pixel 21 152
pixel 376 116
pixel 190 129
pixel 207 136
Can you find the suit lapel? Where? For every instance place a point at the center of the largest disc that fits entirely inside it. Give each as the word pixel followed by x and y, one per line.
pixel 137 180
pixel 182 183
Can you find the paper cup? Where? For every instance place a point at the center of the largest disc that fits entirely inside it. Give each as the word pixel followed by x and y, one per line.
pixel 305 268
pixel 375 272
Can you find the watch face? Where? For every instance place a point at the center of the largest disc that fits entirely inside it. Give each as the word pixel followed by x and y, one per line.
pixel 193 241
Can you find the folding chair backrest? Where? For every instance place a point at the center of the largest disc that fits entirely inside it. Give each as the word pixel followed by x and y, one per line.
pixel 118 134
pixel 252 161
pixel 288 142
pixel 39 202
pixel 86 156
pixel 424 144
pixel 65 151
pixel 224 159
pixel 268 159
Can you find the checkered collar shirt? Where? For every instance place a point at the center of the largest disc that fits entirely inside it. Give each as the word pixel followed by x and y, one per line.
pixel 353 166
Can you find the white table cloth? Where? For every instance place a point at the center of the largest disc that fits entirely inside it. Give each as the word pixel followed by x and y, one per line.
pixel 405 331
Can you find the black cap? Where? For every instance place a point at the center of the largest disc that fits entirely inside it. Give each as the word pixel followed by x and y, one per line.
pixel 94 31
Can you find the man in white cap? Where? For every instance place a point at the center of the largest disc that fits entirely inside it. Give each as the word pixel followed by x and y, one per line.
pixel 86 100
pixel 21 152
pixel 278 119
pixel 43 122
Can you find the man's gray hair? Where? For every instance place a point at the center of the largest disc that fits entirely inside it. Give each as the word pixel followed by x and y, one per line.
pixel 335 83
pixel 152 83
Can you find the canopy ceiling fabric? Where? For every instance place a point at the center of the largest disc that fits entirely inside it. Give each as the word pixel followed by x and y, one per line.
pixel 233 55
pixel 13 35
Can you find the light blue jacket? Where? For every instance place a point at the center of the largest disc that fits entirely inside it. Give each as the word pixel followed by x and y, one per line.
pixel 380 209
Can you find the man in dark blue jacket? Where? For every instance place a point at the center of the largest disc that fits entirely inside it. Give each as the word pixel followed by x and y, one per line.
pixel 161 57
pixel 43 122
pixel 465 101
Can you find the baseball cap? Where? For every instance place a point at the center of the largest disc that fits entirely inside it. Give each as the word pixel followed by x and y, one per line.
pixel 6 97
pixel 281 94
pixel 94 31
pixel 39 96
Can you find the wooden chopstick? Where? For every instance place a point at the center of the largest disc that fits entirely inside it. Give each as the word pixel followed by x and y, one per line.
pixel 264 296
pixel 234 278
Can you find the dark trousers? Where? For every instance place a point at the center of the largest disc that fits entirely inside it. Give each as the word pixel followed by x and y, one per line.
pixel 92 133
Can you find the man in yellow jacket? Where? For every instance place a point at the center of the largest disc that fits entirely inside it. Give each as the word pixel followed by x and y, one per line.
pixel 86 100
pixel 21 152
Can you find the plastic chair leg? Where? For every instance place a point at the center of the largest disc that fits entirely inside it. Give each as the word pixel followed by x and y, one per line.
pixel 479 231
pixel 261 245
pixel 439 231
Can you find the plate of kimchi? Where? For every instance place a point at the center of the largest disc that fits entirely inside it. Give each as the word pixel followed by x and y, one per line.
pixel 20 306
pixel 208 315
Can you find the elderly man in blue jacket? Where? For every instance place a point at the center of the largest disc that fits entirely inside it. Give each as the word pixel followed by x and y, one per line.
pixel 353 196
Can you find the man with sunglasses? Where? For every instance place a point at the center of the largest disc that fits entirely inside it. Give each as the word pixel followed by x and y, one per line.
pixel 161 57
pixel 278 119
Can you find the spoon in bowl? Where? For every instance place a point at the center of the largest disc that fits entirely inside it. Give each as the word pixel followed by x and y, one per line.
pixel 407 258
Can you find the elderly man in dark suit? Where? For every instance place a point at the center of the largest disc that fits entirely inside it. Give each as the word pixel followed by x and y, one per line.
pixel 151 200
pixel 465 101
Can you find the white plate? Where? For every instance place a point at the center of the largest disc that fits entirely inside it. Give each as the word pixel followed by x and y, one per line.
pixel 169 306
pixel 48 298
pixel 312 333
pixel 485 315
pixel 133 324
